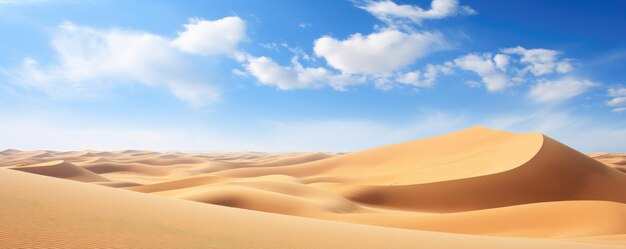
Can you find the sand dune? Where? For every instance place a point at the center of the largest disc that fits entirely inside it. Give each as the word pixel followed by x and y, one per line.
pixel 476 181
pixel 614 160
pixel 563 219
pixel 468 153
pixel 52 213
pixel 61 169
pixel 555 173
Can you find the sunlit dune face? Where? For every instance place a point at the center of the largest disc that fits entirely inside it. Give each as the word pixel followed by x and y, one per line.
pixel 521 185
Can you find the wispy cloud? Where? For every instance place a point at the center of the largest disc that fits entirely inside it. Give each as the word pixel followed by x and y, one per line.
pixel 394 14
pixel 559 90
pixel 618 98
pixel 382 56
pixel 89 57
pixel 296 76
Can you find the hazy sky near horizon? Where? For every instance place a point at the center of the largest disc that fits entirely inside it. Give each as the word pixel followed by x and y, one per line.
pixel 307 75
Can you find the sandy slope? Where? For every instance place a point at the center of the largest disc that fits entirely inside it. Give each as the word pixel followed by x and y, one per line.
pixel 475 181
pixel 555 173
pixel 614 160
pixel 61 169
pixel 52 213
pixel 468 153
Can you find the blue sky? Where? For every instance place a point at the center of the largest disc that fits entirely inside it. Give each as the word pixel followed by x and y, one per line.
pixel 307 75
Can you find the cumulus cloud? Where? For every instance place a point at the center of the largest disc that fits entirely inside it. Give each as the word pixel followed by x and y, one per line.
pixel 390 12
pixel 377 53
pixel 501 61
pixel 423 79
pixel 211 37
pixel 618 99
pixel 488 67
pixel 559 90
pixel 541 61
pixel 295 76
pixel 383 57
pixel 519 65
pixel 88 58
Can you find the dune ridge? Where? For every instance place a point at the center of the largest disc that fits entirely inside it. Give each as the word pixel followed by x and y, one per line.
pixel 61 169
pixel 555 173
pixel 519 185
pixel 70 221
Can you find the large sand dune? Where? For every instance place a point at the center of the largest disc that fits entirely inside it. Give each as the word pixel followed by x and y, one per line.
pixel 476 181
pixel 38 212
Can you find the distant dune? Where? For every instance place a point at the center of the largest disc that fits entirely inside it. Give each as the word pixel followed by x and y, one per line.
pixel 61 169
pixel 476 181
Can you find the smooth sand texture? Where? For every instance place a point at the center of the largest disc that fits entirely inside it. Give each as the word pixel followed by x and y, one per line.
pixel 476 181
pixel 62 169
pixel 39 212
pixel 614 160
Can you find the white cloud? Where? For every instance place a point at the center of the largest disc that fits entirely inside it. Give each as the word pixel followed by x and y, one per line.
pixel 295 76
pixel 617 91
pixel 270 45
pixel 377 53
pixel 519 65
pixel 618 99
pixel 382 56
pixel 559 90
pixel 296 51
pixel 414 78
pixel 89 59
pixel 620 109
pixel 502 61
pixel 390 12
pixel 541 61
pixel 419 79
pixel 485 67
pixel 239 73
pixel 211 37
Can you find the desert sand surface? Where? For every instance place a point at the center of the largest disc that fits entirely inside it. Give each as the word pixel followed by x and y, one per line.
pixel 475 188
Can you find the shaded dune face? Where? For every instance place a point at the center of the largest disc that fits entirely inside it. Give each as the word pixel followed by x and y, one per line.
pixel 510 184
pixel 555 173
pixel 44 212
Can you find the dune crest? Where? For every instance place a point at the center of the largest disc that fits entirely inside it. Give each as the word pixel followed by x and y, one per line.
pixel 88 216
pixel 61 169
pixel 522 185
pixel 467 153
pixel 555 173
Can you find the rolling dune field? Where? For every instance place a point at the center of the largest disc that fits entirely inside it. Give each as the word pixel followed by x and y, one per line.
pixel 475 188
